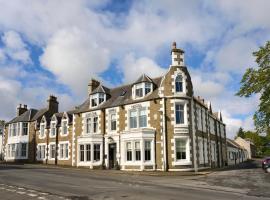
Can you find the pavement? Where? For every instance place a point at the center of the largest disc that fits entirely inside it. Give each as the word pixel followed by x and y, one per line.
pixel 247 181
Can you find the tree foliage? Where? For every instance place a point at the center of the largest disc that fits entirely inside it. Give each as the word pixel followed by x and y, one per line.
pixel 257 81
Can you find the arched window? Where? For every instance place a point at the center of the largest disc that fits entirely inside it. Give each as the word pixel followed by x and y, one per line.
pixel 179 83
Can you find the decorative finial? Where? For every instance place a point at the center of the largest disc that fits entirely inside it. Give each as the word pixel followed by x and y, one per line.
pixel 174 45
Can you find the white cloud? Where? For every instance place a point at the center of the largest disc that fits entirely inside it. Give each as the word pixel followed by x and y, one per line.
pixel 15 48
pixel 74 58
pixel 133 68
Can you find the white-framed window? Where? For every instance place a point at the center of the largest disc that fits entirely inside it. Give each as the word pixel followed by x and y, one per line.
pixel 213 149
pixel 91 125
pixel 53 129
pixel 179 113
pixel 24 128
pixel 182 150
pixel 24 149
pixel 142 89
pixel 97 99
pixel 138 115
pixel 129 151
pixel 147 150
pixel 64 151
pixel 42 130
pixel 90 152
pixel 113 122
pixel 178 83
pixel 96 152
pixel 52 150
pixel 137 151
pixel 64 127
pixel 41 151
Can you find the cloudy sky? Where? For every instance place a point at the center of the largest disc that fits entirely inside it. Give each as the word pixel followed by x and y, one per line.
pixel 56 46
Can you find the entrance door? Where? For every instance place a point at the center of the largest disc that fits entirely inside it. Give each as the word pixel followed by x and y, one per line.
pixel 112 155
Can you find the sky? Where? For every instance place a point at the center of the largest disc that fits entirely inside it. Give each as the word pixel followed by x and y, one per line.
pixel 57 46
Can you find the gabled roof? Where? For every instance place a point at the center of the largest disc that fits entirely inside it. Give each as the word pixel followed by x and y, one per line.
pixel 101 89
pixel 27 116
pixel 232 143
pixel 143 78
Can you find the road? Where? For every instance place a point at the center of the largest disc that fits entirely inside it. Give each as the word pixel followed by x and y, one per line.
pixel 41 182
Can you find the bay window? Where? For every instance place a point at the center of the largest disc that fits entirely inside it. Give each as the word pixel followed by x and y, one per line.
pixel 81 153
pixel 88 152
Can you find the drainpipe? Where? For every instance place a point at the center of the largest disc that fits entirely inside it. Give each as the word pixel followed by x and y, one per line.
pixel 165 163
pixel 193 137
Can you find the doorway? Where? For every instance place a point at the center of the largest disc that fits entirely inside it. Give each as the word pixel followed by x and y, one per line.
pixel 112 156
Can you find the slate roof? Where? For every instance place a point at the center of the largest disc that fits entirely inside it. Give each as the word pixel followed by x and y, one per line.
pixel 143 78
pixel 101 89
pixel 25 117
pixel 120 96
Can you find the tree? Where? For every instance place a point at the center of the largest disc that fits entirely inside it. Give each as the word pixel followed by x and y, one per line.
pixel 257 81
pixel 240 133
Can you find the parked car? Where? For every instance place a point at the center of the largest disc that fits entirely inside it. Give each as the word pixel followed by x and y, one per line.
pixel 266 164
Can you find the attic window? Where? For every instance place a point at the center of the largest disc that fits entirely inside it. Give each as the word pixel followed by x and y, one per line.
pixel 142 89
pixel 97 99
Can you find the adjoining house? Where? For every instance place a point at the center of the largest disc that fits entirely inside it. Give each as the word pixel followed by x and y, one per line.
pixel 150 124
pixel 236 153
pixel 248 145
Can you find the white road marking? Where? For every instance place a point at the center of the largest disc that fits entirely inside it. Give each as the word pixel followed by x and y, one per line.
pixel 20 192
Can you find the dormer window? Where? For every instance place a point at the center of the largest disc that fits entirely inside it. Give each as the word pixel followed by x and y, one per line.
pixel 97 99
pixel 53 128
pixel 179 83
pixel 142 89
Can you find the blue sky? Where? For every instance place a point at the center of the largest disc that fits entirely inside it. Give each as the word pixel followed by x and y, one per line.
pixel 55 47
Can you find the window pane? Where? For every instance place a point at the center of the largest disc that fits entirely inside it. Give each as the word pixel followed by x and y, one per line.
pixel 66 150
pixel 139 92
pixel 88 125
pixel 137 151
pixel 147 88
pixel 82 153
pixel 133 119
pixel 88 152
pixel 94 102
pixel 142 118
pixel 96 152
pixel 179 114
pixel 25 129
pixel 180 149
pixel 147 150
pixel 95 124
pixel 101 98
pixel 129 151
pixel 113 122
pixel 179 84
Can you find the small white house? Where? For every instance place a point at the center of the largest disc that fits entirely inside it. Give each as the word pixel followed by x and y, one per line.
pixel 235 153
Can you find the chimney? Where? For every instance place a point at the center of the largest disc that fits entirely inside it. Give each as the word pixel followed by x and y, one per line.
pixel 177 56
pixel 92 85
pixel 52 104
pixel 21 109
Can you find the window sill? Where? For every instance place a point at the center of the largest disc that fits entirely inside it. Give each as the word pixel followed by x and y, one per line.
pixel 181 125
pixel 184 162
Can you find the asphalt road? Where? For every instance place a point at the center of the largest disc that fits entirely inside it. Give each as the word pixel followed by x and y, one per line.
pixel 39 182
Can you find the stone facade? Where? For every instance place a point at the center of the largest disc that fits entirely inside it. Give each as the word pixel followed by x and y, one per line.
pixel 151 124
